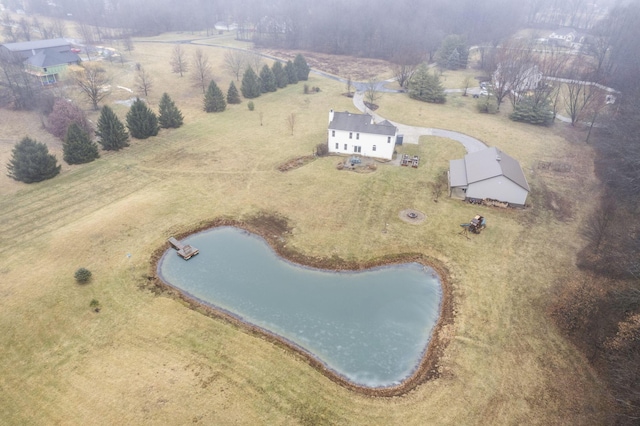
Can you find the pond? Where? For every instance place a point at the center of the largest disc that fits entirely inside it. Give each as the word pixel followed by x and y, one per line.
pixel 370 327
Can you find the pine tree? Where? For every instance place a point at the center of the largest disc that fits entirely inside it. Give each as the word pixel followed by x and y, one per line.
pixel 302 68
pixel 233 97
pixel 425 86
pixel 292 73
pixel 31 162
pixel 78 148
pixel 267 80
pixel 281 76
pixel 141 121
pixel 250 87
pixel 214 99
pixel 170 116
pixel 111 131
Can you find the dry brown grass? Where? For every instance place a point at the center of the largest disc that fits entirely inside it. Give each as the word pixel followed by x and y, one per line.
pixel 149 359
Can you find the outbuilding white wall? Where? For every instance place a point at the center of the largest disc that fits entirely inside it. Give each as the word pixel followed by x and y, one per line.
pixel 498 188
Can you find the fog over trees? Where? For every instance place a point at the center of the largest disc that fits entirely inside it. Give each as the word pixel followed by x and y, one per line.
pixel 356 27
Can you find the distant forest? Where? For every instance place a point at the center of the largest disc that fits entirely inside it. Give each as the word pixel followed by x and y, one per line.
pixel 353 27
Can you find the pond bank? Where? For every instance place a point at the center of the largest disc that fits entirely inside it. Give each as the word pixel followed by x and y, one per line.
pixel 275 230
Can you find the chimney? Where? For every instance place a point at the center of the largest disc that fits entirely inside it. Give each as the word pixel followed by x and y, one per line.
pixel 330 116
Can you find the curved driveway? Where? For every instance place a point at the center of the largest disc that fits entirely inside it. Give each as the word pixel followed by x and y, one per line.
pixel 412 133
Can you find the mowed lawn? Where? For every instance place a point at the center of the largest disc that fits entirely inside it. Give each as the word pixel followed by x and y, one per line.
pixel 148 358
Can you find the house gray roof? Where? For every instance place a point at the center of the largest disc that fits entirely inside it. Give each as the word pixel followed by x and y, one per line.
pixel 457 173
pixel 52 57
pixel 361 123
pixel 36 45
pixel 486 164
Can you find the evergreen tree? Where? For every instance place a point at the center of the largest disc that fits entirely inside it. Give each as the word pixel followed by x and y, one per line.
pixel 425 86
pixel 292 74
pixel 141 121
pixel 111 131
pixel 281 76
pixel 267 80
pixel 453 52
pixel 31 162
pixel 302 68
pixel 214 99
pixel 250 87
pixel 233 97
pixel 78 148
pixel 528 111
pixel 170 116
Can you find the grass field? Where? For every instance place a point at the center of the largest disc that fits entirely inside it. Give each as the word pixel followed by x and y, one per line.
pixel 149 359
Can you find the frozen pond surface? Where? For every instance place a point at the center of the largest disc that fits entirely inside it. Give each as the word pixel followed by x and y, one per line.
pixel 371 327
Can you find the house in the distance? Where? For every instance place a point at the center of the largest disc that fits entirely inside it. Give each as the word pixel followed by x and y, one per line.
pixel 46 59
pixel 360 134
pixel 488 174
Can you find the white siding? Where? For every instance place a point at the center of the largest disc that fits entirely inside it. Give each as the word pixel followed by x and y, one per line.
pixel 384 145
pixel 498 188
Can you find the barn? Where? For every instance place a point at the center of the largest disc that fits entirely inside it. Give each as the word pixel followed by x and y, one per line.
pixel 359 134
pixel 488 174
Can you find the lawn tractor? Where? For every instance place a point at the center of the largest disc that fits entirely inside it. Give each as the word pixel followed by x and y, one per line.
pixel 476 225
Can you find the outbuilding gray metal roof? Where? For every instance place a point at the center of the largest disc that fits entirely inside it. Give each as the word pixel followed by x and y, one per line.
pixel 486 164
pixel 361 123
pixel 36 45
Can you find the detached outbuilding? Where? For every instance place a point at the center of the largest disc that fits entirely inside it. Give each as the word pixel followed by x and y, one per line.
pixel 488 174
pixel 359 134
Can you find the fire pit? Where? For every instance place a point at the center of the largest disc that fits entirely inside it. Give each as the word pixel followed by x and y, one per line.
pixel 411 216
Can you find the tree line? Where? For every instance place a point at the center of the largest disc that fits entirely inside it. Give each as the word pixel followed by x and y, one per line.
pixel 357 27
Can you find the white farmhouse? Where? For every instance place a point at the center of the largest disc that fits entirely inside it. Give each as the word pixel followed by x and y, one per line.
pixel 489 173
pixel 360 134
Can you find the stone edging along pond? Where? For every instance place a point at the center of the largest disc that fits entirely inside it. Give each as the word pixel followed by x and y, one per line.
pixel 274 230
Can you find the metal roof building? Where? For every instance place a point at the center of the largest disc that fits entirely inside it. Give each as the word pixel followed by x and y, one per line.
pixel 491 174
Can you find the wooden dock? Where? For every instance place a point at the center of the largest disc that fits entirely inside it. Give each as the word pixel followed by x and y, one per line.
pixel 184 251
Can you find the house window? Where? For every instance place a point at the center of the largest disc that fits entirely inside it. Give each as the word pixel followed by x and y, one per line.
pixel 345 146
pixel 333 134
pixel 388 139
pixel 336 145
pixel 358 136
pixel 374 147
pixel 356 148
pixel 350 135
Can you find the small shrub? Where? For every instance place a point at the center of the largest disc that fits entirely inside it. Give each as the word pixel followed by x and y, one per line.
pixel 251 106
pixel 487 106
pixel 316 89
pixel 82 275
pixel 95 305
pixel 322 149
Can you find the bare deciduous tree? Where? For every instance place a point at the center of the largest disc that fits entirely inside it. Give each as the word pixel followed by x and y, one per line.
pixel 202 72
pixel 235 62
pixel 403 65
pixel 349 84
pixel 579 94
pixel 291 122
pixel 144 82
pixel 93 81
pixel 371 93
pixel 178 62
